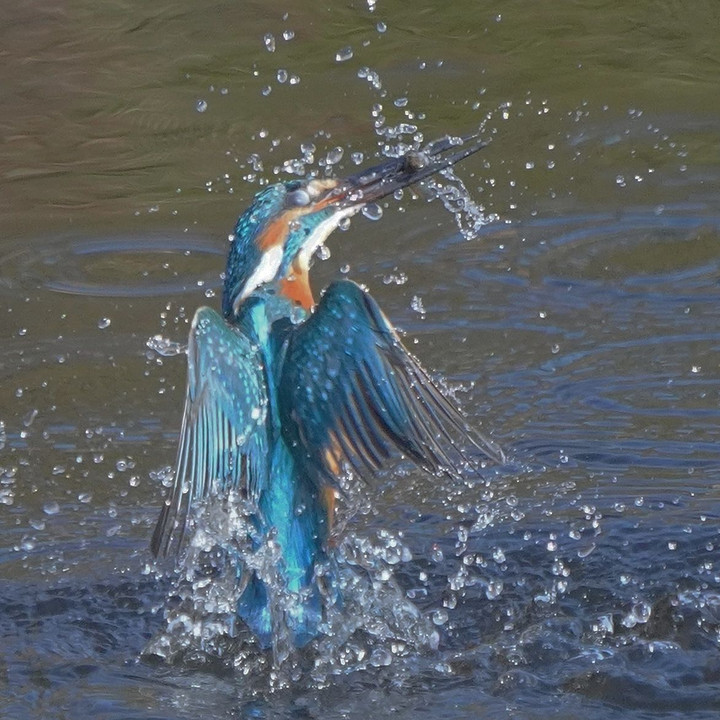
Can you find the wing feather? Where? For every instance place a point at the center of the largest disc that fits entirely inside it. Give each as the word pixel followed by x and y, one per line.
pixel 222 438
pixel 350 392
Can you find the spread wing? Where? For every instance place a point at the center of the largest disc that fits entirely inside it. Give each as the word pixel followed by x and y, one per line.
pixel 222 440
pixel 351 394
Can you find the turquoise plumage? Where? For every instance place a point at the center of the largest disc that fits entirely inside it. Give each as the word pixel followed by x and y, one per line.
pixel 286 397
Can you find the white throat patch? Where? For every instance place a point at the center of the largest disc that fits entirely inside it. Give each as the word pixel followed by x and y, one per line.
pixel 322 232
pixel 265 272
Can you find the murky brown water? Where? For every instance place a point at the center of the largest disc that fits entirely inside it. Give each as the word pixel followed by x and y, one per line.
pixel 582 325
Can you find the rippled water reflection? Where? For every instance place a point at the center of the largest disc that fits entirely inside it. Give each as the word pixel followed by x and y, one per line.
pixel 580 327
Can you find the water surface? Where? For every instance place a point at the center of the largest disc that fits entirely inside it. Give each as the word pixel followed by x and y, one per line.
pixel 579 328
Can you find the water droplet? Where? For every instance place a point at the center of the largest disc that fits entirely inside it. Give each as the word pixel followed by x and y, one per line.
pixel 201 106
pixel 165 347
pixel 334 156
pixel 494 589
pixel 604 624
pixel 269 40
pixel 104 323
pixel 344 54
pixel 440 616
pixel 282 75
pixel 381 657
pixel 372 211
pixel 417 305
pixel 51 508
pixel 381 27
pixel 30 417
pixel 638 615
pixel 395 278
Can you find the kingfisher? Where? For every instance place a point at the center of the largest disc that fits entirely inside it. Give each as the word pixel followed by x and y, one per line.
pixel 286 396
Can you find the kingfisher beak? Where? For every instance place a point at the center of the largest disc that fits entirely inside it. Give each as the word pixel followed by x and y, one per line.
pixel 377 182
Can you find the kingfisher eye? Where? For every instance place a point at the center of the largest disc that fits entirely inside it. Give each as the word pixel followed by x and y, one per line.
pixel 298 197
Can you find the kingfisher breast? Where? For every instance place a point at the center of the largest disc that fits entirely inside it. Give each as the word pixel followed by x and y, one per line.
pixel 296 286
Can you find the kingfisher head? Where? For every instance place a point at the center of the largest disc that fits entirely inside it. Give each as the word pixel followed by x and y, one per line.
pixel 276 237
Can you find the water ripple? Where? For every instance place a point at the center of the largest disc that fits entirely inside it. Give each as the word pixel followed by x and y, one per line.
pixel 123 266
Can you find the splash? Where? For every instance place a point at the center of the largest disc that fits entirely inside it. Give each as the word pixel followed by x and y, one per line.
pixel 470 217
pixel 367 619
pixel 396 140
pixel 376 624
pixel 165 347
pixel 200 608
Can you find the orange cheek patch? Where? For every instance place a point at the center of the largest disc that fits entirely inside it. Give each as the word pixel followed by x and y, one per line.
pixel 274 235
pixel 277 230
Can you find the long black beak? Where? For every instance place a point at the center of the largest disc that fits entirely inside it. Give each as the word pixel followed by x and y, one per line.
pixel 377 182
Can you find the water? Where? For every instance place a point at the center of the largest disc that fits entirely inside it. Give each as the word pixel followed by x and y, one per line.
pixel 580 327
